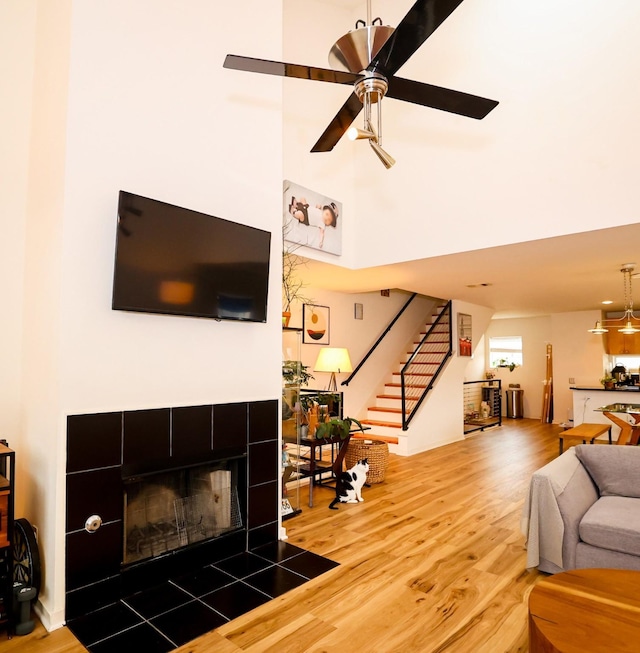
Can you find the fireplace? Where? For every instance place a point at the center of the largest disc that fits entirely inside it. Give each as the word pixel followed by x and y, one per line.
pixel 168 511
pixel 151 493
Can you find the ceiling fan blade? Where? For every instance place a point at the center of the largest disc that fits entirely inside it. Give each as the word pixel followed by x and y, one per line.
pixel 437 97
pixel 413 30
pixel 339 125
pixel 281 69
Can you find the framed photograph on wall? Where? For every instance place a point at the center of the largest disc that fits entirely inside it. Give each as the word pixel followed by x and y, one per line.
pixel 311 219
pixel 465 344
pixel 315 324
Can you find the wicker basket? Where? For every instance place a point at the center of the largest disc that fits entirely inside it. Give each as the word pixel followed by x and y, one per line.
pixel 376 453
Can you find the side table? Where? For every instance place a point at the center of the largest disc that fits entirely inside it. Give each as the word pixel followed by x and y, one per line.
pixel 594 610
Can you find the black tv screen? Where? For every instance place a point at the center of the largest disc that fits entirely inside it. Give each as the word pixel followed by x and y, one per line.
pixel 176 261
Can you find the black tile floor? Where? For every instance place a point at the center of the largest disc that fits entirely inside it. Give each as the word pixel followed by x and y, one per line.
pixel 183 608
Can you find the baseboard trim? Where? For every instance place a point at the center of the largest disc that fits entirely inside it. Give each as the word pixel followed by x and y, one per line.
pixel 51 621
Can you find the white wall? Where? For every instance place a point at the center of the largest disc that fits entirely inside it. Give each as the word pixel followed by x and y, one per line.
pixel 440 419
pixel 536 333
pixel 41 446
pixel 149 109
pixel 359 335
pixel 462 184
pixel 310 29
pixel 17 36
pixel 577 354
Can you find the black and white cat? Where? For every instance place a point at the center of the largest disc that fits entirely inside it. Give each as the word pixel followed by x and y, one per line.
pixel 349 484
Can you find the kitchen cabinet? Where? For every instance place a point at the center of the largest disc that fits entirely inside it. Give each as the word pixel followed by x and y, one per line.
pixel 620 343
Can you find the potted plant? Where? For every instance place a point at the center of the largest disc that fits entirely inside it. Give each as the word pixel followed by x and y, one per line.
pixel 503 362
pixel 295 373
pixel 336 427
pixel 608 382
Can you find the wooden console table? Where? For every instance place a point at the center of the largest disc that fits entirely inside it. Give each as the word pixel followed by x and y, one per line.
pixel 594 610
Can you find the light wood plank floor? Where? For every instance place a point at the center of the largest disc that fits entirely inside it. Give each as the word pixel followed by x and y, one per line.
pixel 432 561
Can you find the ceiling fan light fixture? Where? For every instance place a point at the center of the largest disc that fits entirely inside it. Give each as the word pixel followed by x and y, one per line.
pixel 387 160
pixel 355 134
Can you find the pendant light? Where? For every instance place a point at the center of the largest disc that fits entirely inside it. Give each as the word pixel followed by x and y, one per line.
pixel 631 321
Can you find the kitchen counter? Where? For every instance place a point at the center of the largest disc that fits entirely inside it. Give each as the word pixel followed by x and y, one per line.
pixel 588 399
pixel 622 388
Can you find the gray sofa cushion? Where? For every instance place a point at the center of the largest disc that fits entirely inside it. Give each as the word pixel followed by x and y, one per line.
pixel 615 470
pixel 613 523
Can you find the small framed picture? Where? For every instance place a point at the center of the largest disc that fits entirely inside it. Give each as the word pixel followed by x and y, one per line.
pixel 465 344
pixel 315 324
pixel 358 311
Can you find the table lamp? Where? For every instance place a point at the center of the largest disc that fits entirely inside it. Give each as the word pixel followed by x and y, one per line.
pixel 334 360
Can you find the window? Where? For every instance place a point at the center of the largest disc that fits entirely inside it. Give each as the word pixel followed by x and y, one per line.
pixel 632 363
pixel 505 351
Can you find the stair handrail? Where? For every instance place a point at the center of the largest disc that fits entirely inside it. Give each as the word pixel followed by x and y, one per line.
pixel 379 340
pixel 406 419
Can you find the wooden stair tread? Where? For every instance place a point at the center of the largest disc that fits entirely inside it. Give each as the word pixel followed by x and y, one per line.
pixel 398 397
pixel 375 422
pixel 406 385
pixel 427 353
pixel 389 439
pixel 387 410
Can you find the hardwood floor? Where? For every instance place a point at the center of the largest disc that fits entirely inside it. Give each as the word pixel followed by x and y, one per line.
pixel 432 561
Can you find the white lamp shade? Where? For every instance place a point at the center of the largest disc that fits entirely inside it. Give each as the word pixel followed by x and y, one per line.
pixel 333 359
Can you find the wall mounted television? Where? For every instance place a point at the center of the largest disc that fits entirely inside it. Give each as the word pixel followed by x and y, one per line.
pixel 176 261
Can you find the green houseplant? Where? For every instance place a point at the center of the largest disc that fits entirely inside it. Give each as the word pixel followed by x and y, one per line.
pixel 608 382
pixel 503 362
pixel 295 373
pixel 337 427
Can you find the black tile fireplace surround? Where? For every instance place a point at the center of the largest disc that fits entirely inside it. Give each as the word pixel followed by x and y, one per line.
pixel 105 449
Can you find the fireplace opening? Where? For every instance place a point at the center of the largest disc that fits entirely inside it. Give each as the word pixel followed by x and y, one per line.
pixel 171 510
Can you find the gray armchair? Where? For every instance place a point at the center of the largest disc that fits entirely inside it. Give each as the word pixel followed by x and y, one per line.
pixel 583 510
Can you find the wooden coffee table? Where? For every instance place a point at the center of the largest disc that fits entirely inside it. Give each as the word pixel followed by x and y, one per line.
pixel 594 610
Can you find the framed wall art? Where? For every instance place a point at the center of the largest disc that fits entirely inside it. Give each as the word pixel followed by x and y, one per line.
pixel 315 324
pixel 311 219
pixel 465 345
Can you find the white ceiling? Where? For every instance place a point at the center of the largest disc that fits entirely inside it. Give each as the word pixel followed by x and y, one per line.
pixel 583 47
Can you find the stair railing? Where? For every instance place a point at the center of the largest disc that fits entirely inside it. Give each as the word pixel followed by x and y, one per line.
pixel 379 340
pixel 420 366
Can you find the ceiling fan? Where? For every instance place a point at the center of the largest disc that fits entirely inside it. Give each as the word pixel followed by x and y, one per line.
pixel 368 58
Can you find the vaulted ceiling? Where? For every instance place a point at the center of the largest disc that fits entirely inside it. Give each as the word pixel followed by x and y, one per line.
pixel 565 75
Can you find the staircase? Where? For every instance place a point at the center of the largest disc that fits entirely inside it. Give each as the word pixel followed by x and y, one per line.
pixel 414 377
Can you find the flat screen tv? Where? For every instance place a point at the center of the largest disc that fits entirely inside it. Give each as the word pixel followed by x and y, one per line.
pixel 176 261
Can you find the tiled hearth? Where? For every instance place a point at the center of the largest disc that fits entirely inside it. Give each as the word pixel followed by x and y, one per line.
pixel 162 602
pixel 182 608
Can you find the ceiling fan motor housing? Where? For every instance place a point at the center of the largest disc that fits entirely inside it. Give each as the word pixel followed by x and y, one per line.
pixel 374 85
pixel 354 51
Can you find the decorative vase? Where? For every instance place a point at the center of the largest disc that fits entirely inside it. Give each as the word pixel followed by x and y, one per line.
pixel 286 316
